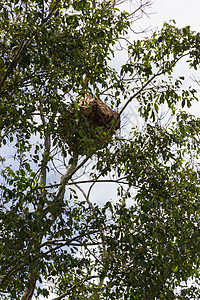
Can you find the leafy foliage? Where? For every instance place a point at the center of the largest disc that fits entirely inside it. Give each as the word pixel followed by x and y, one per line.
pixel 146 244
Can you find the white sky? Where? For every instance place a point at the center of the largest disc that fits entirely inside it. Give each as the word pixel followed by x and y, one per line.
pixel 184 12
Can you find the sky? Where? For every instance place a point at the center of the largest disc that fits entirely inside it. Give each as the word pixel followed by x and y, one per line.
pixel 185 13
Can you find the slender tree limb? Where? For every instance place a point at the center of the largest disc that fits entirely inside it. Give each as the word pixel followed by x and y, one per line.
pixel 69 241
pixel 117 181
pixel 14 269
pixel 6 131
pixel 65 177
pixel 24 45
pixel 75 285
pixel 99 181
pixel 24 81
pixel 68 174
pixel 84 194
pixel 47 148
pixel 32 278
pixel 159 73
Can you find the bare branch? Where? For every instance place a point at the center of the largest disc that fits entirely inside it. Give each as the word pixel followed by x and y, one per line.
pixel 65 177
pixel 84 194
pixel 117 181
pixel 69 242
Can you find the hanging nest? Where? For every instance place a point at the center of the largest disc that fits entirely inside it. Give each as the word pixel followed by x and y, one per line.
pixel 89 125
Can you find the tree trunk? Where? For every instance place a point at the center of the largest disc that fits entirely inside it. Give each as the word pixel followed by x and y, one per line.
pixel 28 294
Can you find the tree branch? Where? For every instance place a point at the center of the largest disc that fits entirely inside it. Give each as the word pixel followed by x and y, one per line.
pixel 75 285
pixel 159 73
pixel 84 194
pixel 32 278
pixel 47 146
pixel 65 177
pixel 28 293
pixel 25 43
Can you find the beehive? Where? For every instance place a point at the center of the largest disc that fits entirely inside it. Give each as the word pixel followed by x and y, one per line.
pixel 97 113
pixel 91 126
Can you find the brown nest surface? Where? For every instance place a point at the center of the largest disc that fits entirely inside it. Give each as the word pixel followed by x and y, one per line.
pixel 98 113
pixel 91 126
